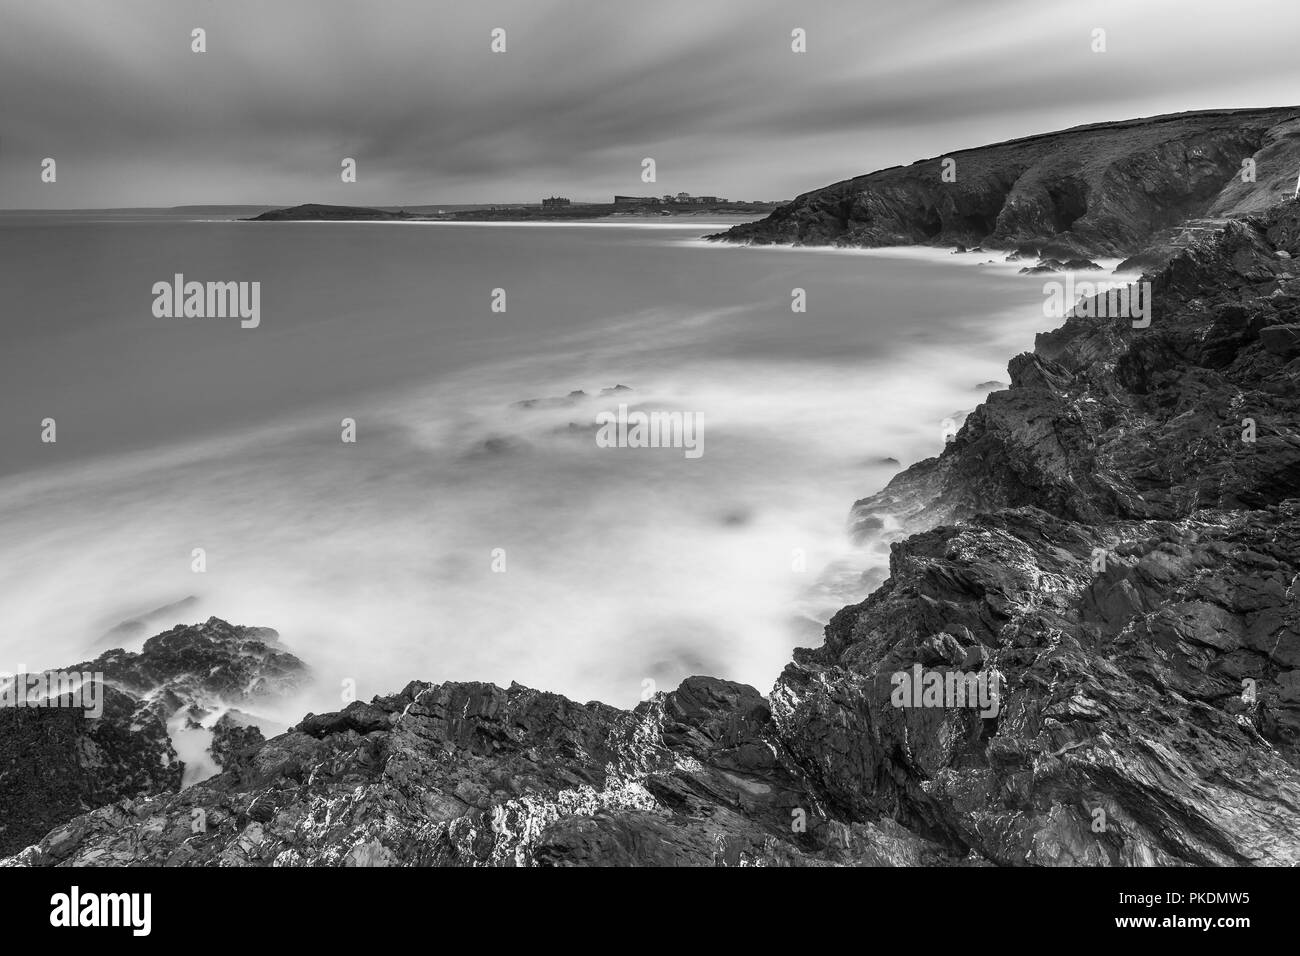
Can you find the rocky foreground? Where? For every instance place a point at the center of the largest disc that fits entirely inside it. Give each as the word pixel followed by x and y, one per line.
pixel 1116 537
pixel 56 763
pixel 1107 189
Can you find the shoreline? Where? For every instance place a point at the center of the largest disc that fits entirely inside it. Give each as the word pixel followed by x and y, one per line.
pixel 937 254
pixel 999 576
pixel 192 452
pixel 646 223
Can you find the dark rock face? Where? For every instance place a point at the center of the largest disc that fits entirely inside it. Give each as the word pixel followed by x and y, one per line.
pixel 1124 699
pixel 234 741
pixel 1283 340
pixel 1103 189
pixel 57 762
pixel 210 660
pixel 471 774
pixel 1104 421
pixel 1126 559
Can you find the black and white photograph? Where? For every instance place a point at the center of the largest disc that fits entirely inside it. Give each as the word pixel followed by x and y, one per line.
pixel 668 434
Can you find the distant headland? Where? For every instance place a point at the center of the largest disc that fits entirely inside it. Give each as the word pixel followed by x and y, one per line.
pixel 552 208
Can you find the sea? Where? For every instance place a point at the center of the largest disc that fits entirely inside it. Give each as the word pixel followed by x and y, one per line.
pixel 476 527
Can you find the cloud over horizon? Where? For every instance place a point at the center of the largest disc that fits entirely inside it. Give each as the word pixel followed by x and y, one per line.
pixel 712 91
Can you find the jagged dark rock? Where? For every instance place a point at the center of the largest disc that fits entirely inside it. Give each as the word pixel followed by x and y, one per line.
pixel 57 762
pixel 575 397
pixel 1045 266
pixel 201 669
pixel 471 774
pixel 1123 691
pixel 1103 421
pixel 1126 683
pixel 1104 189
pixel 234 741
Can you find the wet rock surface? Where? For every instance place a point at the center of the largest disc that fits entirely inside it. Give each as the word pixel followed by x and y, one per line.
pixel 1146 670
pixel 474 774
pixel 1106 421
pixel 57 763
pixel 1118 538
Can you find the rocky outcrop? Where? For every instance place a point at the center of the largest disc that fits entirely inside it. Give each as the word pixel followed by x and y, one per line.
pixel 1104 189
pixel 1104 421
pixel 473 774
pixel 1149 708
pixel 57 762
pixel 202 668
pixel 1110 546
pixel 1120 541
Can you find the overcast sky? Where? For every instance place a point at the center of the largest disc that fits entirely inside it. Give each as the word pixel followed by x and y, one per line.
pixel 586 88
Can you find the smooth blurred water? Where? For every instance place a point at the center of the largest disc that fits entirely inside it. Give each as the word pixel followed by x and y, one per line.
pixel 375 559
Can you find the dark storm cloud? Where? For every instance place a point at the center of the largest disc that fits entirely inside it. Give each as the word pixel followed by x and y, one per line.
pixel 711 90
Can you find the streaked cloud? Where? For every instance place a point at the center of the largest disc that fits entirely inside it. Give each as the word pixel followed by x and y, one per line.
pixel 711 90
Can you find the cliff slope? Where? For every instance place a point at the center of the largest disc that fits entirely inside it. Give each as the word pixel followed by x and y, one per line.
pixel 1103 189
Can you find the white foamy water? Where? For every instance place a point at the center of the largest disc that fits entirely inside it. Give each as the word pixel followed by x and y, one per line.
pixel 375 560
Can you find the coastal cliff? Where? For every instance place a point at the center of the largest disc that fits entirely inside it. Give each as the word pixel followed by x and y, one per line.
pixel 1116 537
pixel 1100 190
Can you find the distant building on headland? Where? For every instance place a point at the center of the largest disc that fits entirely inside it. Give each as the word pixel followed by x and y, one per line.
pixel 555 202
pixel 681 199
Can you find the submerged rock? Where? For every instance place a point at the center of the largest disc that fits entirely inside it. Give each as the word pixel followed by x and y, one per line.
pixel 1045 266
pixel 575 397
